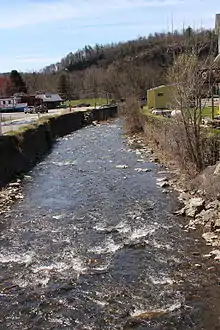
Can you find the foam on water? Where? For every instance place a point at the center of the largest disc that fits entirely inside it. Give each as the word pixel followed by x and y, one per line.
pixel 25 258
pixel 142 232
pixel 158 245
pixel 121 227
pixel 163 280
pixel 100 303
pixel 60 321
pixel 56 267
pixel 64 163
pixel 166 309
pixel 103 267
pixel 109 246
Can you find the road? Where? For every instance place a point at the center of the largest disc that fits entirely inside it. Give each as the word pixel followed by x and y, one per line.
pixel 12 121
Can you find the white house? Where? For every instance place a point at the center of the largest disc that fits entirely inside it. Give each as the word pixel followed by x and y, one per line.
pixel 12 103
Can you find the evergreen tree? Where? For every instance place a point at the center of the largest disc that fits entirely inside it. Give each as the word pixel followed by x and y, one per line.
pixel 18 84
pixel 63 88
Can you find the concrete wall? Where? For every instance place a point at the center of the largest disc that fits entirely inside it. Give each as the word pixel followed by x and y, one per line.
pixel 20 152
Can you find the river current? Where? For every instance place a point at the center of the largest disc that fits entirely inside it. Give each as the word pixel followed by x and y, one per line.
pixel 95 245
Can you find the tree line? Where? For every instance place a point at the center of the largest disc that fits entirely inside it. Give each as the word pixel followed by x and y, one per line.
pixel 119 69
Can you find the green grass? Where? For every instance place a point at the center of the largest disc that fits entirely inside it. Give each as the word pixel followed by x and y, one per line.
pixel 33 125
pixel 98 102
pixel 207 112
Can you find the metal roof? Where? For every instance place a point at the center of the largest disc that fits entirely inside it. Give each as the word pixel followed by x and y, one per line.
pixel 160 86
pixel 48 97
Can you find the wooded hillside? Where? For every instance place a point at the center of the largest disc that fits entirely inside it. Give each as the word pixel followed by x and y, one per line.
pixel 119 69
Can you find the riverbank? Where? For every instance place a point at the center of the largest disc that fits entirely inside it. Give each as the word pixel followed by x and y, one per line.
pixel 199 195
pixel 21 150
pixel 94 244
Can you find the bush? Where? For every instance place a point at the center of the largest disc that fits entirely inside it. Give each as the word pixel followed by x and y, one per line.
pixel 133 118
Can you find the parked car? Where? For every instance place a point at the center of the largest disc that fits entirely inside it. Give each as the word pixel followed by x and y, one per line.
pixel 30 109
pixel 157 112
pixel 38 109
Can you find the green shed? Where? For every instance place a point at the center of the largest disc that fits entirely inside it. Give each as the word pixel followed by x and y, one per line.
pixel 159 97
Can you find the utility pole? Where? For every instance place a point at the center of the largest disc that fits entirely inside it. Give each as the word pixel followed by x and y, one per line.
pixel 213 104
pixel 217 59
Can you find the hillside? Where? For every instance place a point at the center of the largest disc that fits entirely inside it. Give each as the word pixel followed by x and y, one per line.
pixel 139 64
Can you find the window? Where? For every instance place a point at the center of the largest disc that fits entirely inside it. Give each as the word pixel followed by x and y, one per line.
pixel 4 102
pixel 9 101
pixel 160 94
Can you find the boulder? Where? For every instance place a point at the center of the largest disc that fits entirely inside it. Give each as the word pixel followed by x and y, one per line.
pixel 216 253
pixel 213 205
pixel 194 206
pixel 162 179
pixel 216 224
pixel 217 169
pixel 207 216
pixel 210 237
pixel 163 184
pixel 180 212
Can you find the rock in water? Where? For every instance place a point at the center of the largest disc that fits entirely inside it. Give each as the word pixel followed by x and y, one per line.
pixel 142 169
pixel 122 166
pixel 162 179
pixel 135 245
pixel 163 184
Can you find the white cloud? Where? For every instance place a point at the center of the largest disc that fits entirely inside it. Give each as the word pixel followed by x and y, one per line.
pixel 32 13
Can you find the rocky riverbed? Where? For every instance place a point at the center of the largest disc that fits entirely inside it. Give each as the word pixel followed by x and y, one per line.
pixel 202 211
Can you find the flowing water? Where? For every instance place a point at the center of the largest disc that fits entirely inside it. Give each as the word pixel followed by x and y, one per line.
pixel 96 246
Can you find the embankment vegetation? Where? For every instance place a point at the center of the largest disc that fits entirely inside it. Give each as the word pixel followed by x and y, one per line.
pixel 182 140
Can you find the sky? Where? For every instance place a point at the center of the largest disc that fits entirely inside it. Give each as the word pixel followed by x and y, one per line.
pixel 36 33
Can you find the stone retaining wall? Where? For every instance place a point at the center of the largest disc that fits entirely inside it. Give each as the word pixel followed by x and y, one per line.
pixel 20 152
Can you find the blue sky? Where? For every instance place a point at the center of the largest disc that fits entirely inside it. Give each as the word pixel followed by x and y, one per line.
pixel 35 33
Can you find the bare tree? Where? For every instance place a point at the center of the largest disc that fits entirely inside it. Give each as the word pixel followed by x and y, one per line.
pixel 192 81
pixel 92 82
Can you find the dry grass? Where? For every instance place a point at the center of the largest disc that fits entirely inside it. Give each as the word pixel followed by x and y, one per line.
pixel 133 117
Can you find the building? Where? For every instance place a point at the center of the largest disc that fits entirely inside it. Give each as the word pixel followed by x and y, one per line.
pixel 50 100
pixel 159 97
pixel 11 104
